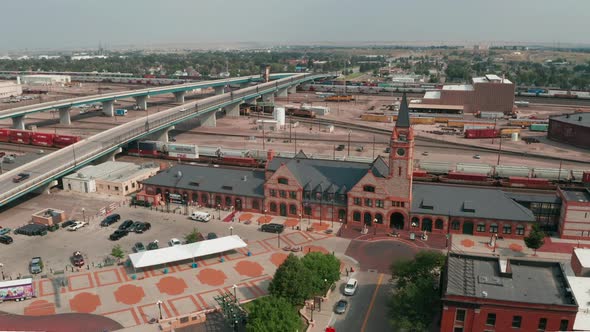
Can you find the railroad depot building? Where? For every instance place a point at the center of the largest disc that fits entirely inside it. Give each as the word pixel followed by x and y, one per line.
pixel 379 194
pixel 486 293
pixel 571 129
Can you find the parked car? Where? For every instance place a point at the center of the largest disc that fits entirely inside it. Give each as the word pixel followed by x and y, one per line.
pixel 174 242
pixel 272 228
pixel 351 286
pixel 117 234
pixel 77 259
pixel 5 239
pixel 340 147
pixel 76 226
pixel 341 307
pixel 211 236
pixel 153 245
pixel 139 247
pixel 36 265
pixel 425 153
pixel 21 177
pixel 109 220
pixel 68 223
pixel 142 227
pixel 126 225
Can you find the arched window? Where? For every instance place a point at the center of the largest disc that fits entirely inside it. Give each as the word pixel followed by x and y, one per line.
pixel 227 201
pixel 341 214
pixel 273 207
pixel 379 218
pixel 369 188
pixel 356 216
pixel 292 209
pixel 415 222
pixel 217 200
pixel 368 219
pixel 195 197
pixel 255 204
pixel 439 224
pixel 204 199
pixel 455 225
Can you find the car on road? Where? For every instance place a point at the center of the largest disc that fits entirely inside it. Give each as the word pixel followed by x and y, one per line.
pixel 36 265
pixel 425 153
pixel 5 239
pixel 109 220
pixel 272 228
pixel 153 245
pixel 126 225
pixel 117 234
pixel 76 226
pixel 476 156
pixel 341 307
pixel 141 227
pixel 211 236
pixel 340 147
pixel 68 223
pixel 350 287
pixel 21 177
pixel 78 259
pixel 174 242
pixel 139 247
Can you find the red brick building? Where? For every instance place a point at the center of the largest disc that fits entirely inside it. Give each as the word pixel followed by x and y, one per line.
pixel 574 221
pixel 483 293
pixel 572 129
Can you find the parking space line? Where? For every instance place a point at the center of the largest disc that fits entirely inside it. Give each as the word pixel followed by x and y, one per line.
pixel 372 302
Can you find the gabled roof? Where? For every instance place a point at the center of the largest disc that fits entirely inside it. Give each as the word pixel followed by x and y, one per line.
pixel 380 168
pixel 403 117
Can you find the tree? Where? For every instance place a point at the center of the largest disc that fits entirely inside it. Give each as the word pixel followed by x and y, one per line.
pixel 193 236
pixel 292 281
pixel 117 252
pixel 272 314
pixel 536 239
pixel 325 270
pixel 415 300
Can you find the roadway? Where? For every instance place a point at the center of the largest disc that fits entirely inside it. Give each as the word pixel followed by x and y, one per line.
pixel 54 165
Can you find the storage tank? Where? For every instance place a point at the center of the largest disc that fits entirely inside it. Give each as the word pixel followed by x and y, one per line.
pixel 552 173
pixel 279 116
pixel 482 169
pixel 435 167
pixel 505 171
pixel 514 137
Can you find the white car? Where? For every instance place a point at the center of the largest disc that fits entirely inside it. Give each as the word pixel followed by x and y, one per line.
pixel 174 242
pixel 351 287
pixel 76 226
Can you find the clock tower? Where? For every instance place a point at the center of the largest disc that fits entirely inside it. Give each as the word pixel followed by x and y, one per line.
pixel 401 155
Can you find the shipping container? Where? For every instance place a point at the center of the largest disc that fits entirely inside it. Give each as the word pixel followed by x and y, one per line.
pixel 482 133
pixel 157 145
pixel 233 153
pixel 61 141
pixel 120 112
pixel 42 139
pixel 421 120
pixel 539 127
pixel 491 115
pixel 376 117
pixel 181 148
pixel 208 151
pixel 4 135
pixel 552 173
pixel 20 136
pixel 586 177
pixel 435 167
pixel 525 182
pixel 183 155
pixel 509 131
pixel 466 176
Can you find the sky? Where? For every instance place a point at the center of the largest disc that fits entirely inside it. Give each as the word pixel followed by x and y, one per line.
pixel 66 24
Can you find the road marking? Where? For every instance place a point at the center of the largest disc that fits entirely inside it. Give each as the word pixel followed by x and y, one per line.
pixel 372 302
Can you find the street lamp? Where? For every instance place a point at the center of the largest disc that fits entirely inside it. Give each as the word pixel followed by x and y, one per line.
pixel 231 230
pixel 219 211
pixel 375 226
pixel 279 239
pixel 84 215
pixel 349 132
pixel 2 267
pixel 235 288
pixel 159 303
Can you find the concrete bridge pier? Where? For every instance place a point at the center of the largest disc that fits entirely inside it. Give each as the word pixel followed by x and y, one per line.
pixel 18 122
pixel 209 120
pixel 44 189
pixel 219 89
pixel 179 96
pixel 141 102
pixel 282 93
pixel 64 116
pixel 292 89
pixel 108 108
pixel 233 109
pixel 161 135
pixel 108 157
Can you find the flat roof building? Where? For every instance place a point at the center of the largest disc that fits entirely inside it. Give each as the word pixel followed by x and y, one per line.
pixel 571 129
pixel 575 213
pixel 10 89
pixel 45 79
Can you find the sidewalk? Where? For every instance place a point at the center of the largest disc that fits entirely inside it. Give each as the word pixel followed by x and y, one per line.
pixel 511 247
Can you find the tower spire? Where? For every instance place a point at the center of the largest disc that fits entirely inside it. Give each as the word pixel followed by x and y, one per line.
pixel 403 116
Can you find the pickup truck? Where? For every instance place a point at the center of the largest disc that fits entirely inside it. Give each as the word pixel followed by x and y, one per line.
pixel 21 177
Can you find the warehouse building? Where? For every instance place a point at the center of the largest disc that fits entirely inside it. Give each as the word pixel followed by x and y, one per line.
pixel 571 129
pixel 111 178
pixel 575 213
pixel 489 93
pixel 10 89
pixel 45 79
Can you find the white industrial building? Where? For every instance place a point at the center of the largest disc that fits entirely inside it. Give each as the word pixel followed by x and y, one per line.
pixel 111 177
pixel 10 89
pixel 45 79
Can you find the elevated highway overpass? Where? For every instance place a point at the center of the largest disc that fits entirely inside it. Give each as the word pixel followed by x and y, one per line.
pixel 18 114
pixel 51 167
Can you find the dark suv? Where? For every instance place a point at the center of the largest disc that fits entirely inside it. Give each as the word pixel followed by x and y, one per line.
pixel 126 225
pixel 272 228
pixel 117 235
pixel 109 220
pixel 5 239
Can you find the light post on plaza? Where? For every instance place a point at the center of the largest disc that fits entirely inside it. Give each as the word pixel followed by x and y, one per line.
pixel 231 230
pixel 2 267
pixel 219 211
pixel 375 226
pixel 235 288
pixel 84 215
pixel 159 303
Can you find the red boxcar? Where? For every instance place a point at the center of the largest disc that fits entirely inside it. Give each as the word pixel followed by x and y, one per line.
pixel 20 136
pixel 4 134
pixel 482 133
pixel 586 177
pixel 42 139
pixel 61 141
pixel 466 176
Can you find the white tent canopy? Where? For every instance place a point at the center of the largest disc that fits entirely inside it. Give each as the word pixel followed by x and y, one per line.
pixel 186 251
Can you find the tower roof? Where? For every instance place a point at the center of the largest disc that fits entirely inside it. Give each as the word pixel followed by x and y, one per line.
pixel 403 117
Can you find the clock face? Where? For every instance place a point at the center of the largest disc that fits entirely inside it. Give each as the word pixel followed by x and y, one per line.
pixel 401 152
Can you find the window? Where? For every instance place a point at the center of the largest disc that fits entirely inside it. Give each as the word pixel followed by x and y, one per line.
pixel 273 207
pixel 542 324
pixel 399 171
pixel 438 224
pixel 397 204
pixel 227 201
pixel 415 222
pixel 283 181
pixel 356 216
pixel 307 210
pixel 507 229
pixel 460 316
pixel 563 325
pixel 379 218
pixel 516 321
pixel 494 228
pixel 292 209
pixel 109 187
pixel 379 203
pixel 481 227
pixel 283 194
pixel 368 202
pixel 357 201
pixel 272 193
pixel 132 184
pixel 520 230
pixel 491 320
pixel 455 225
pixel 126 188
pixel 293 194
pixel 255 204
pixel 307 194
pixel 370 189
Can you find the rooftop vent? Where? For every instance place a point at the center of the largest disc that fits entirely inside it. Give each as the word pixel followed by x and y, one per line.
pixel 245 178
pixel 580 118
pixel 468 206
pixel 427 204
pixel 484 294
pixel 227 187
pixel 179 174
pixel 567 116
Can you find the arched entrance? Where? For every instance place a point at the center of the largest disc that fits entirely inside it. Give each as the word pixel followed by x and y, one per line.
pixel 427 224
pixel 283 209
pixel 238 205
pixel 367 219
pixel 468 227
pixel 396 220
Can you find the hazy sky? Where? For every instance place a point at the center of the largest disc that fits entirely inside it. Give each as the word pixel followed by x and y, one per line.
pixel 83 23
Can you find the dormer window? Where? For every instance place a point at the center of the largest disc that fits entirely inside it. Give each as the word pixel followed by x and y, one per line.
pixel 368 188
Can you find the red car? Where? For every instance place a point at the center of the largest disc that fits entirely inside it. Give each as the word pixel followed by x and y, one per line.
pixel 20 177
pixel 78 259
